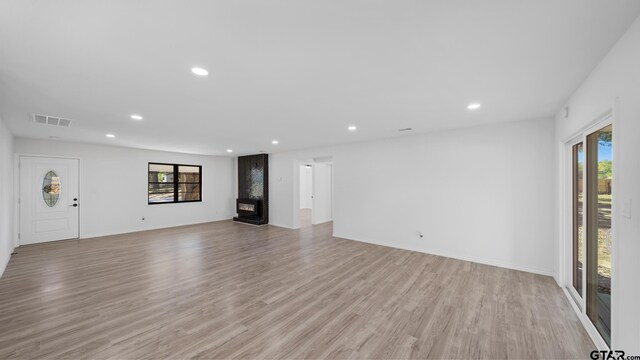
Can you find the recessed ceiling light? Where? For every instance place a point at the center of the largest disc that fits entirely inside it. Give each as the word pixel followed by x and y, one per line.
pixel 229 150
pixel 352 128
pixel 136 117
pixel 473 106
pixel 199 71
pixel 275 142
pixel 110 136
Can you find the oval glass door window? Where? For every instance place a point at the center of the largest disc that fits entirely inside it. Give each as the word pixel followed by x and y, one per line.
pixel 51 188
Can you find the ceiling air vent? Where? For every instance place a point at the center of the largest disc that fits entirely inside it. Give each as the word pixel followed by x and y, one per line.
pixel 51 120
pixel 40 119
pixel 64 122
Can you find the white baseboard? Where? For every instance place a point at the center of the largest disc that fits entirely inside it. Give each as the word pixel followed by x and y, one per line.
pixel 478 260
pixel 280 225
pixel 323 221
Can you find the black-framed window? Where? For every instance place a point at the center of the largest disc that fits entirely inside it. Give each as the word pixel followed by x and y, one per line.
pixel 174 183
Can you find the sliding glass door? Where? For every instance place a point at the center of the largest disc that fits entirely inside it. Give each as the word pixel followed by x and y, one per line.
pixel 591 231
pixel 599 236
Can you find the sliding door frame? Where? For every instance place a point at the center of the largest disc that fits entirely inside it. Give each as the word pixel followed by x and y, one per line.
pixel 570 226
pixel 578 301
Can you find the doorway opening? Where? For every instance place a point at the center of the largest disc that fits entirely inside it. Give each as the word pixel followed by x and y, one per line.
pixel 316 191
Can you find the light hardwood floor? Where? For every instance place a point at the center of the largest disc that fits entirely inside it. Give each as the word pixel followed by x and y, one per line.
pixel 227 290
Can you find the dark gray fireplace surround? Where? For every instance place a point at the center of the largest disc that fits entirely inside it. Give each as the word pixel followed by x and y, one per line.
pixel 252 204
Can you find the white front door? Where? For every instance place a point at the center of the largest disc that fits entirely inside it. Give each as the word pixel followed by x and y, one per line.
pixel 48 199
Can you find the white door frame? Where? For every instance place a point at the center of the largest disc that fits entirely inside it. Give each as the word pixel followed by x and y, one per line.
pixel 16 190
pixel 606 118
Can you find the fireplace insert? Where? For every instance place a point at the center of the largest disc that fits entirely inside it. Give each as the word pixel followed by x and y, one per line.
pixel 247 207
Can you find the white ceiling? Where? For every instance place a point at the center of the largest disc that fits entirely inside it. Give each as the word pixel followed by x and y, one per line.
pixel 294 70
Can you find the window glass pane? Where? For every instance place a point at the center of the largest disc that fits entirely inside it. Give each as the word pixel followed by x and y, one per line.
pixel 189 174
pixel 160 193
pixel 599 236
pixel 189 192
pixel 160 197
pixel 578 203
pixel 160 188
pixel 195 196
pixel 160 173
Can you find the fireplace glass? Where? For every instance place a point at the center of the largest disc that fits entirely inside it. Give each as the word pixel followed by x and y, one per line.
pixel 246 207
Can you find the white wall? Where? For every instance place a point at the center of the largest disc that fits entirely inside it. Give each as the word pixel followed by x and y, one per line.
pixel 114 187
pixel 485 194
pixel 615 83
pixel 6 196
pixel 306 187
